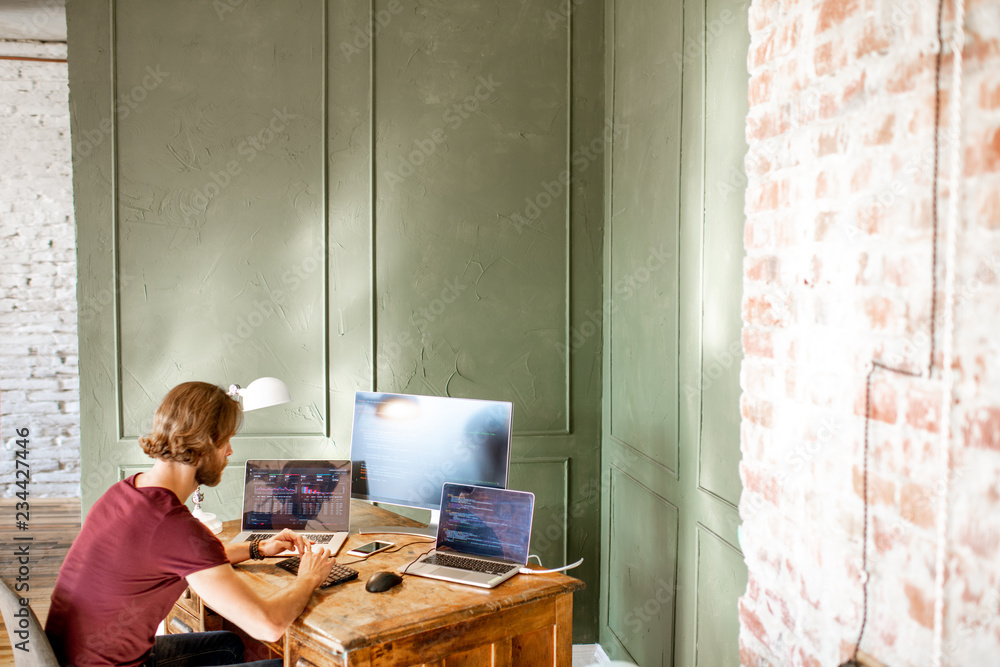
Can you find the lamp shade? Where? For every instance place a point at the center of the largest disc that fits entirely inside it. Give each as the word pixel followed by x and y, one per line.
pixel 262 393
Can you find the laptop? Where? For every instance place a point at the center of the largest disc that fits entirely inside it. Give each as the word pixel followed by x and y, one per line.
pixel 482 538
pixel 311 497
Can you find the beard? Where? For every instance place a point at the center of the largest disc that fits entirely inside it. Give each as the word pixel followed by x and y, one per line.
pixel 209 470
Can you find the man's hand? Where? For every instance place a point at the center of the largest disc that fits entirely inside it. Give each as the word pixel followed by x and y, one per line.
pixel 285 540
pixel 317 565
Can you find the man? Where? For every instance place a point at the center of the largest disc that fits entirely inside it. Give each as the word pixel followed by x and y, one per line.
pixel 140 547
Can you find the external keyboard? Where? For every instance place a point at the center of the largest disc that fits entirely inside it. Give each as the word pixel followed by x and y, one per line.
pixel 473 564
pixel 338 575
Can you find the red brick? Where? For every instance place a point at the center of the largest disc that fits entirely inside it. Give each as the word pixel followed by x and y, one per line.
pixel 886 535
pixel 853 90
pixel 981 538
pixel 980 49
pixel 755 481
pixel 756 163
pixel 760 268
pixel 828 143
pixel 875 38
pixel 884 402
pixel 911 75
pixel 755 442
pixel 834 12
pixel 765 197
pixel 806 659
pixel 759 378
pixel 828 108
pixel 921 606
pixel 792 77
pixel 884 134
pixel 787 229
pixel 922 120
pixel 881 491
pixel 879 311
pixel 923 409
pixel 989 95
pixel 826 222
pixel 872 219
pixel 899 271
pixel 757 233
pixel 759 88
pixel 753 656
pixel 823 185
pixel 861 180
pixel 984 156
pixel 989 208
pixel 757 411
pixel 757 18
pixel 757 343
pixel 780 42
pixel 766 125
pixel 759 311
pixel 829 57
pixel 751 621
pixel 846 650
pixel 982 428
pixel 916 505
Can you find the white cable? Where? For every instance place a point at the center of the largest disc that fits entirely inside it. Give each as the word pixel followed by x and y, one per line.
pixel 528 570
pixel 947 375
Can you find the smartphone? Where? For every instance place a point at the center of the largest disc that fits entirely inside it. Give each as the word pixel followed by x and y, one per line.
pixel 370 548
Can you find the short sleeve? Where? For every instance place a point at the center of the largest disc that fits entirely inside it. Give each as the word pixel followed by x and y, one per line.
pixel 185 545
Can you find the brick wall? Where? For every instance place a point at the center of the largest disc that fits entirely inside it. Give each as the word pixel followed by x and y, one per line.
pixel 39 388
pixel 838 272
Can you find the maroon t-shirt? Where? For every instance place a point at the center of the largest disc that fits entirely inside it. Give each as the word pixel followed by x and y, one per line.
pixel 124 572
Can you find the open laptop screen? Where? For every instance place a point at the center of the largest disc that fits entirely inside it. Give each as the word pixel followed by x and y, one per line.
pixel 481 521
pixel 297 494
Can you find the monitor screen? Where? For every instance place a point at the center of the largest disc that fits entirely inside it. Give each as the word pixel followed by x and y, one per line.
pixel 405 447
pixel 296 494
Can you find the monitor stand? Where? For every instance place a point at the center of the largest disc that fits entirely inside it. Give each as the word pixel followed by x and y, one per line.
pixel 430 530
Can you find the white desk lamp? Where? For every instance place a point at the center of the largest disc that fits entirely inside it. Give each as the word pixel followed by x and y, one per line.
pixel 261 393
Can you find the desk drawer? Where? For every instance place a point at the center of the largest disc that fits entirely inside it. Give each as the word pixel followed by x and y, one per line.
pixel 303 652
pixel 180 620
pixel 190 602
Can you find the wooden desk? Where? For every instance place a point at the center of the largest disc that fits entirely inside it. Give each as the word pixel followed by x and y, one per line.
pixel 527 620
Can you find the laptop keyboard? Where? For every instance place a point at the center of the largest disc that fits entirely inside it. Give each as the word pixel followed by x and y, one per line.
pixel 318 539
pixel 338 575
pixel 473 564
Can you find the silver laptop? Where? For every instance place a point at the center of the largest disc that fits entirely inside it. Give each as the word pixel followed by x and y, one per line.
pixel 311 497
pixel 482 538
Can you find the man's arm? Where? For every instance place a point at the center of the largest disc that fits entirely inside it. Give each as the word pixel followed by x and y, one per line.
pixel 262 618
pixel 286 540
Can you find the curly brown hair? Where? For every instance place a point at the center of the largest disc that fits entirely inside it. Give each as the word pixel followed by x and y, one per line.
pixel 193 419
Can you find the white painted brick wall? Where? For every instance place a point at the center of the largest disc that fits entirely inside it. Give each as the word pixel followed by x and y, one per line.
pixel 39 379
pixel 837 274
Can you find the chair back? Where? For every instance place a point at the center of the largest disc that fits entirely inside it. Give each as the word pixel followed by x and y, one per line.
pixel 28 641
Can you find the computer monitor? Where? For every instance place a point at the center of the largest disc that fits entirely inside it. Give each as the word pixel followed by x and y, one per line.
pixel 405 447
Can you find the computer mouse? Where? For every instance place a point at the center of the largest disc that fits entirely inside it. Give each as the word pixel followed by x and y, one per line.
pixel 382 581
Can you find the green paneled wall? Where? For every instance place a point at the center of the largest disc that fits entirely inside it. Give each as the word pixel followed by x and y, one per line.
pixel 347 195
pixel 672 570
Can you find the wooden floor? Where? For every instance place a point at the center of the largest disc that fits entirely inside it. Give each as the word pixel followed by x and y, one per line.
pixel 53 523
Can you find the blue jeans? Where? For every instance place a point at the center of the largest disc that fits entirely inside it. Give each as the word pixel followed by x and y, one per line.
pixel 201 649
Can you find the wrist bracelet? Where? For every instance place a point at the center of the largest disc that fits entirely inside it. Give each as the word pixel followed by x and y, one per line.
pixel 255 549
